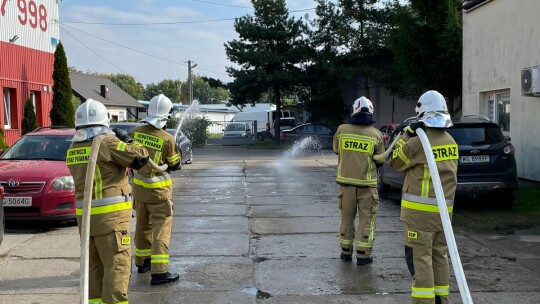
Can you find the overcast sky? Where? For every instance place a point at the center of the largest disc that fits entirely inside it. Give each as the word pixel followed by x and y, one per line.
pixel 119 48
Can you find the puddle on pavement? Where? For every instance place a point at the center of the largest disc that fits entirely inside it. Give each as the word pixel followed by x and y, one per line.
pixel 531 235
pixel 261 295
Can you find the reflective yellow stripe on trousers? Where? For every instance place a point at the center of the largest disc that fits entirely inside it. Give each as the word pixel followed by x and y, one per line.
pixel 105 205
pixel 160 259
pixel 420 203
pixel 152 182
pixel 144 253
pixel 442 290
pixel 423 292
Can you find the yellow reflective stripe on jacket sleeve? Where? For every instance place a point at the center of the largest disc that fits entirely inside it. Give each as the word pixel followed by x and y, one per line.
pixel 106 209
pixel 173 158
pixel 98 184
pixel 121 146
pixel 422 207
pixel 96 301
pixel 442 290
pixel 423 293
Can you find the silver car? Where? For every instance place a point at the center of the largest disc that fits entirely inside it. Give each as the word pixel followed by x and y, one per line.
pixel 182 143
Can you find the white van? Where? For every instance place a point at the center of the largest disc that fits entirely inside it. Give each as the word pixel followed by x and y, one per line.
pixel 265 121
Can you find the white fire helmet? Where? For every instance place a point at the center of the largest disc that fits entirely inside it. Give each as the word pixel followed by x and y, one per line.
pixel 432 111
pixel 362 105
pixel 158 111
pixel 91 119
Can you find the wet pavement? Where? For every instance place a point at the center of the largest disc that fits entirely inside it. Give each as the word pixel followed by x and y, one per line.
pixel 260 226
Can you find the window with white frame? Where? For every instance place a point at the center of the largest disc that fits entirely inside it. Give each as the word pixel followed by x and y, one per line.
pixel 7 108
pixel 33 98
pixel 498 108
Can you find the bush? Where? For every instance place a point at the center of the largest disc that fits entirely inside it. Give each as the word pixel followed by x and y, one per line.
pixel 29 121
pixel 194 128
pixel 3 144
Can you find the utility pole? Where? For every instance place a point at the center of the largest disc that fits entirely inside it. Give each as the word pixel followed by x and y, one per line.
pixel 190 80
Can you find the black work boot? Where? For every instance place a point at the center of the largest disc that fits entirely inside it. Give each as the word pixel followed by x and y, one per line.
pixel 163 278
pixel 145 266
pixel 346 257
pixel 364 261
pixel 346 254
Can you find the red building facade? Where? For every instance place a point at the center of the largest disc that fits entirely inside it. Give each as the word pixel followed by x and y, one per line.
pixel 28 38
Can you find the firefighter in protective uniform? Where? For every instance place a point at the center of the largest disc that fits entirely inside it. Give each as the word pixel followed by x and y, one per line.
pixel 110 248
pixel 355 144
pixel 153 194
pixel 426 251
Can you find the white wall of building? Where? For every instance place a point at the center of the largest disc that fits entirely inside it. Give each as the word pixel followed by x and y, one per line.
pixel 500 38
pixel 30 24
pixel 118 114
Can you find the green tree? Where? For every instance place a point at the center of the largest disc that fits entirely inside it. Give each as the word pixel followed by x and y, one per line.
pixel 128 84
pixel 169 87
pixel 427 45
pixel 3 144
pixel 29 121
pixel 62 112
pixel 329 65
pixel 270 51
pixel 206 94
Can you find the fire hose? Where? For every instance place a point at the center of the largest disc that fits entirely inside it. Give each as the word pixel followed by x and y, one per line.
pixel 87 201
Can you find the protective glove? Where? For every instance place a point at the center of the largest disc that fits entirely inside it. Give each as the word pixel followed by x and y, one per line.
pixel 122 135
pixel 411 129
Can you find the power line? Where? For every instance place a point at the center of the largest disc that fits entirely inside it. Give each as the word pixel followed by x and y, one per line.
pixel 134 50
pixel 221 4
pixel 168 23
pixel 149 23
pixel 95 53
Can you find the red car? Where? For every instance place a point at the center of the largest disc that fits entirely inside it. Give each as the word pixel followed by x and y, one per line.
pixel 387 131
pixel 37 182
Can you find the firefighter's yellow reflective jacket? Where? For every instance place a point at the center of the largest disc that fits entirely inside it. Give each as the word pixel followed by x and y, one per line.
pixel 355 145
pixel 111 194
pixel 418 204
pixel 149 184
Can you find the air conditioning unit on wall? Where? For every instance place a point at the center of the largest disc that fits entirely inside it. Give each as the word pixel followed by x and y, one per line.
pixel 530 81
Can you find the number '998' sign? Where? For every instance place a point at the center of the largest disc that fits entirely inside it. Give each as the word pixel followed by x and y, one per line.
pixel 30 13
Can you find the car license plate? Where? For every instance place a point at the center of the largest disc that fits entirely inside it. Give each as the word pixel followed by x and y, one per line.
pixel 17 201
pixel 474 159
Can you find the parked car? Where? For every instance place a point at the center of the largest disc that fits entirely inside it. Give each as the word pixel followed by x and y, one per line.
pixel 237 129
pixel 184 146
pixel 36 180
pixel 182 143
pixel 387 131
pixel 2 218
pixel 486 165
pixel 321 133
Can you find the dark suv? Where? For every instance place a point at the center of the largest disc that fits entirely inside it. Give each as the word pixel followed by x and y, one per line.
pixel 487 165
